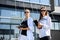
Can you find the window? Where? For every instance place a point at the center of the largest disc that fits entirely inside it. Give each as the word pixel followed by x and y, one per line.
pixel 56 2
pixel 35 15
pixel 59 26
pixel 0 12
pixel 15 28
pixel 4 20
pixel 23 0
pixel 3 26
pixel 23 15
pixel 45 2
pixel 59 2
pixel 11 15
pixel 53 26
pixel 26 0
pixel 56 26
pixel 6 33
pixel 16 31
pixel 34 1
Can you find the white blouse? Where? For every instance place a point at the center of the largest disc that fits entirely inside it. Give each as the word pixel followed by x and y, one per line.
pixel 46 26
pixel 31 27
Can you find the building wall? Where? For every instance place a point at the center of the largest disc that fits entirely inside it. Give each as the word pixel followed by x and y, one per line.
pixel 55 34
pixel 10 18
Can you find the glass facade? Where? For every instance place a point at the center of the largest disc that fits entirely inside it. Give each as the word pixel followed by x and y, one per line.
pixel 16 31
pixel 55 26
pixel 4 26
pixel 57 2
pixel 10 15
pixel 34 1
pixel 11 18
pixel 35 14
pixel 44 2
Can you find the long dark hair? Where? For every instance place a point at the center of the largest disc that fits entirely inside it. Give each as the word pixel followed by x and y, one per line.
pixel 41 16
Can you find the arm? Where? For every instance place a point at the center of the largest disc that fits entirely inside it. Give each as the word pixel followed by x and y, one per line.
pixel 24 28
pixel 39 26
pixel 47 23
pixel 30 24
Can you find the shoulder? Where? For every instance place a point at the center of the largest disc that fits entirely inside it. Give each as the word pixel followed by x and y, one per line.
pixel 31 19
pixel 47 17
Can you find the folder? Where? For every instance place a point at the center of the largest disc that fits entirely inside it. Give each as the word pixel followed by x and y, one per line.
pixel 36 22
pixel 23 24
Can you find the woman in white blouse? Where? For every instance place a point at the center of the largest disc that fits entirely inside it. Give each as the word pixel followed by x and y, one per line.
pixel 27 32
pixel 44 24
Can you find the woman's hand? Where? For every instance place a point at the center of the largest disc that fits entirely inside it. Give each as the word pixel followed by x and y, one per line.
pixel 21 28
pixel 39 26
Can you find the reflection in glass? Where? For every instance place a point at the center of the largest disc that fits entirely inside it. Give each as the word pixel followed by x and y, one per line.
pixel 34 1
pixel 45 2
pixel 23 0
pixel 56 26
pixel 53 27
pixel 3 26
pixel 15 21
pixel 56 2
pixel 4 20
pixel 35 15
pixel 6 27
pixel 10 13
pixel 6 37
pixel 16 31
pixel 59 25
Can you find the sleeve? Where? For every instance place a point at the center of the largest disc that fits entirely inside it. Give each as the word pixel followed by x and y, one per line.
pixel 47 24
pixel 30 24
